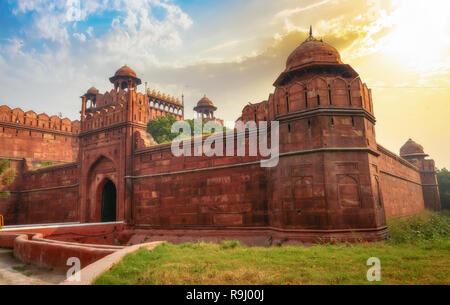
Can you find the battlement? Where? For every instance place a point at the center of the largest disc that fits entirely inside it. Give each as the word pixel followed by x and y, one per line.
pixel 37 136
pixel 109 109
pixel 169 103
pixel 30 120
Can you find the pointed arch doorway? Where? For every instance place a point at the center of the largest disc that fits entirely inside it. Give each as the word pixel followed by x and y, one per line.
pixel 109 196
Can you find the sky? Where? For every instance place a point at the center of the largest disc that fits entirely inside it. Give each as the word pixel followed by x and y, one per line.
pixel 52 51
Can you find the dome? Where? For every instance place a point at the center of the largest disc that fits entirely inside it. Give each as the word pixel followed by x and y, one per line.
pixel 411 148
pixel 314 54
pixel 312 51
pixel 92 91
pixel 125 71
pixel 205 102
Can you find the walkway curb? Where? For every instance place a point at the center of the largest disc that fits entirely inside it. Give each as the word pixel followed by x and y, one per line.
pixel 94 270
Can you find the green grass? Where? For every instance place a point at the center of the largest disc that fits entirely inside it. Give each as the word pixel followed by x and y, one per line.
pixel 419 253
pixel 22 268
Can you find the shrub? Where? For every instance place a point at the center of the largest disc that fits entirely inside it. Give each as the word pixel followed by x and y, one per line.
pixel 7 175
pixel 443 177
pixel 230 244
pixel 426 226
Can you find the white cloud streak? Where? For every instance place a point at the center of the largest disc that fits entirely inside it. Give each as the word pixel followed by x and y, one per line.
pixel 289 12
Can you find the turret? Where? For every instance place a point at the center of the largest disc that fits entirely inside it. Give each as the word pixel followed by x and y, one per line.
pixel 414 153
pixel 123 76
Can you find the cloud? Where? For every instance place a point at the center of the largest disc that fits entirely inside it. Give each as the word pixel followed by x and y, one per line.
pixel 80 36
pixel 224 45
pixel 57 47
pixel 54 19
pixel 13 47
pixel 90 32
pixel 289 12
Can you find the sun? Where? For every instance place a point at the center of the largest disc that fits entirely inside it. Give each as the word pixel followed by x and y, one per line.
pixel 420 35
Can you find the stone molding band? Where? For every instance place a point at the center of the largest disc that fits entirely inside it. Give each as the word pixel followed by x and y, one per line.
pixel 299 152
pixel 37 129
pixel 45 189
pixel 326 110
pixel 400 177
pixel 284 230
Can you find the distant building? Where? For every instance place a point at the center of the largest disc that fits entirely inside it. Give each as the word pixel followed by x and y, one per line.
pixel 205 111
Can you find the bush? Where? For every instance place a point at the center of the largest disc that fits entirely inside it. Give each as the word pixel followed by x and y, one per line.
pixel 7 175
pixel 443 177
pixel 427 226
pixel 230 244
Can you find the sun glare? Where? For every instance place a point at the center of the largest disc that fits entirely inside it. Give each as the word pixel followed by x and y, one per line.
pixel 420 35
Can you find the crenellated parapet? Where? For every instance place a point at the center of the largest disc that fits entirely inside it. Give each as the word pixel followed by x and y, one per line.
pixel 30 120
pixel 163 103
pixel 104 110
pixel 37 136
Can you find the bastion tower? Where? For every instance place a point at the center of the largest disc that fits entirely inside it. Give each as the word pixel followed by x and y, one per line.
pixel 414 153
pixel 327 179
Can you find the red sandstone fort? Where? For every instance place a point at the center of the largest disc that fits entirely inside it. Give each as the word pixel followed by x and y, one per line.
pixel 333 178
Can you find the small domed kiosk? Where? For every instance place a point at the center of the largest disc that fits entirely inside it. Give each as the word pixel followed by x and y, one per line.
pixel 123 76
pixel 205 110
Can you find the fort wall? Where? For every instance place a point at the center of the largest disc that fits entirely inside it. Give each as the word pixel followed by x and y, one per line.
pixel 47 195
pixel 40 137
pixel 171 191
pixel 400 184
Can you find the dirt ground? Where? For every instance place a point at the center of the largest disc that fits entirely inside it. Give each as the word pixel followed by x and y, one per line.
pixel 14 272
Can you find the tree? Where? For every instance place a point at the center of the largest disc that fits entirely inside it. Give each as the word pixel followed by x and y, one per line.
pixel 160 128
pixel 443 176
pixel 7 175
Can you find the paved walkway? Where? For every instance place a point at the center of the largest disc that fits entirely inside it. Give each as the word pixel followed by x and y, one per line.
pixel 26 274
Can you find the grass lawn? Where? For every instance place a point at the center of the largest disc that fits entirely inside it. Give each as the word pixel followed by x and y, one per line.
pixel 419 253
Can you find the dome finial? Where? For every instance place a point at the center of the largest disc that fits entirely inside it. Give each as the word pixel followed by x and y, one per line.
pixel 311 37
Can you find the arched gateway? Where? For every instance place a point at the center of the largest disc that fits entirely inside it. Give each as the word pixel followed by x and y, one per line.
pixel 109 202
pixel 102 192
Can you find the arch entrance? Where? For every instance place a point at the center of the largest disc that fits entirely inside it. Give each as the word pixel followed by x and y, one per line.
pixel 102 192
pixel 109 196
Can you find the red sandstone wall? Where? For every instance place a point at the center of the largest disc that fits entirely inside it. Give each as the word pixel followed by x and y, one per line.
pixel 27 135
pixel 400 184
pixel 18 143
pixel 328 190
pixel 229 196
pixel 44 196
